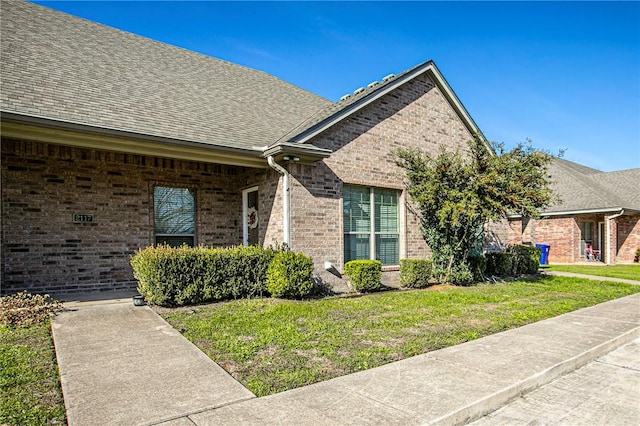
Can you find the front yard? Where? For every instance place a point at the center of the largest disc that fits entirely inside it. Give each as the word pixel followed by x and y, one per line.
pixel 629 272
pixel 274 345
pixel 29 387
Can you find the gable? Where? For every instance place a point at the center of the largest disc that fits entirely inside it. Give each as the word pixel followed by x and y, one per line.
pixel 416 114
pixel 362 97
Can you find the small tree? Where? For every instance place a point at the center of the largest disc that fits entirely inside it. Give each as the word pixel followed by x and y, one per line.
pixel 457 194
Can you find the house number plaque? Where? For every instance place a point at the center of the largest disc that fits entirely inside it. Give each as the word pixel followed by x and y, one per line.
pixel 82 218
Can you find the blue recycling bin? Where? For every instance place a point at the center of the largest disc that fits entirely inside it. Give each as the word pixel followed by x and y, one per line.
pixel 544 256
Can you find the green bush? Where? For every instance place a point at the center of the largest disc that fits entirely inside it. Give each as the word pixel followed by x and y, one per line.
pixel 415 273
pixel 171 276
pixel 290 275
pixel 499 264
pixel 637 258
pixel 365 275
pixel 526 259
pixel 461 274
pixel 478 267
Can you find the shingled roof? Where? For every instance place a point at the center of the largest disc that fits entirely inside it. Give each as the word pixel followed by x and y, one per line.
pixel 583 189
pixel 66 69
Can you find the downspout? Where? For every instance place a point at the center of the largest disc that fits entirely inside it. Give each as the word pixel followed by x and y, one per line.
pixel 607 256
pixel 285 198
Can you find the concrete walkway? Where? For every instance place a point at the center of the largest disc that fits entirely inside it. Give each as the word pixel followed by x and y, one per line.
pixel 124 365
pixel 590 277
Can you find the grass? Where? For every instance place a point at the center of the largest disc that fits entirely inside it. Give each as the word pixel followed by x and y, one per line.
pixel 274 345
pixel 29 386
pixel 629 272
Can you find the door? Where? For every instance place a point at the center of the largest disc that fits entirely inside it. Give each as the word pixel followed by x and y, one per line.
pixel 602 240
pixel 250 217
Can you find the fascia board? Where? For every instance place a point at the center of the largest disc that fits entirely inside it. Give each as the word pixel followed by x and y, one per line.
pixel 105 139
pixel 576 212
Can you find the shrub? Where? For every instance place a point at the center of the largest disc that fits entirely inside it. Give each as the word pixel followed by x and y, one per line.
pixel 415 273
pixel 365 275
pixel 24 309
pixel 290 275
pixel 461 274
pixel 184 275
pixel 478 267
pixel 499 264
pixel 526 259
pixel 637 258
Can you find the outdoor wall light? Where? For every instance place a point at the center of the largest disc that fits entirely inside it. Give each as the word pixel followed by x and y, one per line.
pixel 328 266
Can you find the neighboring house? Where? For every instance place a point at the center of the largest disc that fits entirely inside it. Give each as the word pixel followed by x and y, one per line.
pixel 598 209
pixel 112 142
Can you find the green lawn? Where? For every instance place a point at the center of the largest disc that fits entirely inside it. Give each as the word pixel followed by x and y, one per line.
pixel 274 345
pixel 29 386
pixel 629 272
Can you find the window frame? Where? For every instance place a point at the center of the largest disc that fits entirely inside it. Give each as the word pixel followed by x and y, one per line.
pixel 157 237
pixel 372 233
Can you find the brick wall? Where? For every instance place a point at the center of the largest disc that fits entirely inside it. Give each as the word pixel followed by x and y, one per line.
pixel 564 235
pixel 414 115
pixel 43 185
pixel 628 237
pixel 561 233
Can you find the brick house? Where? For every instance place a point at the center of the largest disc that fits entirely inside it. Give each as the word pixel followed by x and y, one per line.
pixel 112 142
pixel 598 209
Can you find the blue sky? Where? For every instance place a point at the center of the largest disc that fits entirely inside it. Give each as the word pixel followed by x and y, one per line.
pixel 565 74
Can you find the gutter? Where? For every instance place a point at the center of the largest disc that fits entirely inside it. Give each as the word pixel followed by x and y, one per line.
pixel 53 123
pixel 574 212
pixel 608 253
pixel 286 223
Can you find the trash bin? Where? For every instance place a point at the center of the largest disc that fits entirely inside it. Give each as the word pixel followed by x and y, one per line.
pixel 544 255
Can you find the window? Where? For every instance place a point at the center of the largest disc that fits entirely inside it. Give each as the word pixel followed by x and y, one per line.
pixel 371 224
pixel 174 216
pixel 586 235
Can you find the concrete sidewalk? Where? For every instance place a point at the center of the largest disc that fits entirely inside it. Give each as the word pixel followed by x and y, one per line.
pixel 590 277
pixel 124 365
pixel 603 392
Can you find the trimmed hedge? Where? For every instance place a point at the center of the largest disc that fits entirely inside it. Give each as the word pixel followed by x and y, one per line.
pixel 499 264
pixel 365 275
pixel 290 275
pixel 415 273
pixel 526 259
pixel 478 267
pixel 515 261
pixel 184 275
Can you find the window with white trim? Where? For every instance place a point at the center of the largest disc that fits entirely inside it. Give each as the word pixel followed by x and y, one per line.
pixel 371 224
pixel 174 214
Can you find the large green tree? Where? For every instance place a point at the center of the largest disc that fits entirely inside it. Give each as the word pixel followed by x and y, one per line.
pixel 458 193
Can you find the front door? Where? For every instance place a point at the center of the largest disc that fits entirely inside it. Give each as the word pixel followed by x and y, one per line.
pixel 602 239
pixel 250 217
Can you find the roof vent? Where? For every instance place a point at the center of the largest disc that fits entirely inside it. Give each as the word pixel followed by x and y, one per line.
pixel 345 97
pixel 373 84
pixel 388 77
pixel 358 90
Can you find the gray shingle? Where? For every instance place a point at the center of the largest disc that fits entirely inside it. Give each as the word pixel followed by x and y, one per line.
pixel 57 66
pixel 583 188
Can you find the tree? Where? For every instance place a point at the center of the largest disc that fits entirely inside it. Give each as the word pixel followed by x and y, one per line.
pixel 457 194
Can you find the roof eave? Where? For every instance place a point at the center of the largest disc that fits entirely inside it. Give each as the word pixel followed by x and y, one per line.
pixel 67 133
pixel 580 211
pixel 298 153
